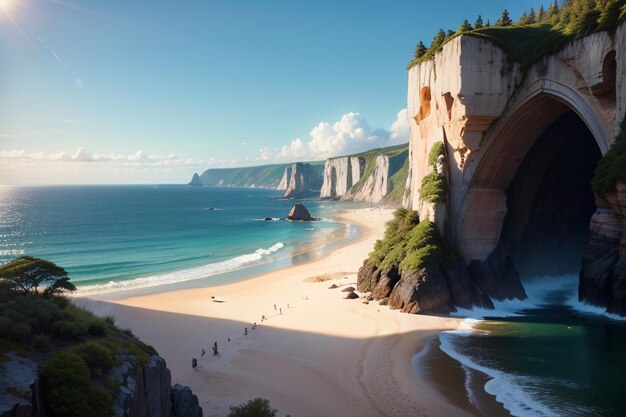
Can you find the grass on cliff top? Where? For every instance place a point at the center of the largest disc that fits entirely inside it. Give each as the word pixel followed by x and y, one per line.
pixel 395 154
pixel 612 167
pixel 408 244
pixel 526 44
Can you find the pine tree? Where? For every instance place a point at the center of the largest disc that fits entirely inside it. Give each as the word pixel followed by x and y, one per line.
pixel 609 15
pixel 532 16
pixel 465 27
pixel 488 24
pixel 420 51
pixel 438 40
pixel 479 22
pixel 450 33
pixel 524 20
pixel 541 15
pixel 504 20
pixel 553 11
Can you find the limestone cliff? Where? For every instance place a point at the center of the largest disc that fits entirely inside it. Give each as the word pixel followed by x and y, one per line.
pixel 369 176
pixel 284 181
pixel 340 174
pixel 303 181
pixel 492 113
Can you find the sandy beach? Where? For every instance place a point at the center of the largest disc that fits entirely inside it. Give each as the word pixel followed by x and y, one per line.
pixel 315 354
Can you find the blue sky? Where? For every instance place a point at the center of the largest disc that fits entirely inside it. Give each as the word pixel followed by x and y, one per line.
pixel 133 91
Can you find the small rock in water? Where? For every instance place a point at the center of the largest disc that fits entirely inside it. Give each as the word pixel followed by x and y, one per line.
pixel 210 209
pixel 300 213
pixel 267 219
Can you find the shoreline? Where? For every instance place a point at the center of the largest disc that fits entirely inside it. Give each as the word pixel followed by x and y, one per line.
pixel 356 357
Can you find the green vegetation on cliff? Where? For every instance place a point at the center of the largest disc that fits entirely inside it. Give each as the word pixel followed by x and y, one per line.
pixel 612 167
pixel 408 244
pixel 434 188
pixel 397 155
pixel 74 348
pixel 536 34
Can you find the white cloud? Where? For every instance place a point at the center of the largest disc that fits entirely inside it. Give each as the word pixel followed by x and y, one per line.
pixel 83 155
pixel 350 134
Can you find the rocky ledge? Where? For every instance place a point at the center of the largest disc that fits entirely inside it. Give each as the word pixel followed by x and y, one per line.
pixel 603 274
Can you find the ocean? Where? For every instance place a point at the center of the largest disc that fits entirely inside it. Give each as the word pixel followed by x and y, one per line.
pixel 548 355
pixel 117 238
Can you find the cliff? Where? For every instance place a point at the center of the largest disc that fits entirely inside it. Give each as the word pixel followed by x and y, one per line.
pixel 60 360
pixel 374 176
pixel 264 176
pixel 506 106
pixel 304 181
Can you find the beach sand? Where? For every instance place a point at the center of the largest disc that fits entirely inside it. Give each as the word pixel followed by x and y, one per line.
pixel 323 356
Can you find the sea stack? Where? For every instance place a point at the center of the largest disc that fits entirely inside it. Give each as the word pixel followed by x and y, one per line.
pixel 300 213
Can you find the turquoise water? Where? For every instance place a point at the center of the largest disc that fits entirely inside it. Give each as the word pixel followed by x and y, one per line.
pixel 548 355
pixel 123 237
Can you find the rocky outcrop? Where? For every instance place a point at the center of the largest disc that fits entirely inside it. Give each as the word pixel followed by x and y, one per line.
pixel 302 181
pixel 184 402
pixel 195 181
pixel 603 274
pixel 300 213
pixel 497 276
pixel 439 287
pixel 145 393
pixel 340 174
pixel 284 181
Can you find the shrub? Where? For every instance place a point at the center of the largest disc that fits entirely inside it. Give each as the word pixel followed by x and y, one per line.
pixel 434 188
pixel 98 358
pixel 69 391
pixel 17 331
pixel 435 152
pixel 98 327
pixel 41 342
pixel 259 407
pixel 612 166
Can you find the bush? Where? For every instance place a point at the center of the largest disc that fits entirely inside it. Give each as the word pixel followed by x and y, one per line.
pixel 69 392
pixel 259 407
pixel 12 330
pixel 98 358
pixel 612 166
pixel 434 188
pixel 41 342
pixel 98 327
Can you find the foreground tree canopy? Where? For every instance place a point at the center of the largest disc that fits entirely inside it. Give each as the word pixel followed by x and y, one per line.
pixel 27 274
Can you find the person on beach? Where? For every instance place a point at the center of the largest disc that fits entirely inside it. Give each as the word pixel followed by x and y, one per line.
pixel 287 305
pixel 215 352
pixel 194 364
pixel 229 338
pixel 203 352
pixel 254 325
pixel 245 331
pixel 280 310
pixel 274 307
pixel 262 318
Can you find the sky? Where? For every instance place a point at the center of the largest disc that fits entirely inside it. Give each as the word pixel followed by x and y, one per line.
pixel 151 91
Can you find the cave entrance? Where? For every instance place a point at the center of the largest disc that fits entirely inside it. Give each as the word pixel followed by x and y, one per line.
pixel 549 200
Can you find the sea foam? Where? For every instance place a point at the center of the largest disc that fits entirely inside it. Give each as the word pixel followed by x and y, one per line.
pixel 182 275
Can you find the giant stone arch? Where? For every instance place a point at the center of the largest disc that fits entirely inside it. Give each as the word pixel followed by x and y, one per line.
pixel 504 129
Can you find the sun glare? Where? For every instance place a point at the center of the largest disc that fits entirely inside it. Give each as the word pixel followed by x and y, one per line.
pixel 5 4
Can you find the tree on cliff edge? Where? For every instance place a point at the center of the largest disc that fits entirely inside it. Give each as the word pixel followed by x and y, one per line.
pixel 26 274
pixel 505 19
pixel 465 27
pixel 479 22
pixel 420 51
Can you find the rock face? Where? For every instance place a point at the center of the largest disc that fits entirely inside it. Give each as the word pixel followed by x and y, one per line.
pixel 284 182
pixel 488 113
pixel 437 288
pixel 603 273
pixel 300 181
pixel 300 213
pixel 147 394
pixel 195 181
pixel 343 177
pixel 340 174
